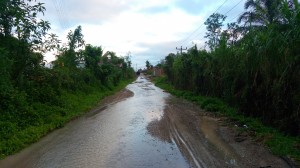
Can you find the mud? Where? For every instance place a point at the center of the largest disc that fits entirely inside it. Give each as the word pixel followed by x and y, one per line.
pixel 142 126
pixel 206 141
pixel 113 135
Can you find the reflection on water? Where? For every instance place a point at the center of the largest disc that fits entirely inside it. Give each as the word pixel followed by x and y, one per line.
pixel 140 131
pixel 209 129
pixel 194 134
pixel 113 136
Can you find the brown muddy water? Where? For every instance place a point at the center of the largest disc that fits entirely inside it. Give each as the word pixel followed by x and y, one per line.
pixel 149 129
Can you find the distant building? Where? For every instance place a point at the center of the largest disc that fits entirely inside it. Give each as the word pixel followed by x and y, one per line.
pixel 157 71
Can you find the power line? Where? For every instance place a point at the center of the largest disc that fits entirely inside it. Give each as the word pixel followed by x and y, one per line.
pixel 181 49
pixel 227 22
pixel 60 13
pixel 59 16
pixel 203 25
pixel 184 43
pixel 233 7
pixel 220 6
pixel 235 17
pixel 65 12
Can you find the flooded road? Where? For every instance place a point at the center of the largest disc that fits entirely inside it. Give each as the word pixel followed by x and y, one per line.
pixel 149 129
pixel 113 136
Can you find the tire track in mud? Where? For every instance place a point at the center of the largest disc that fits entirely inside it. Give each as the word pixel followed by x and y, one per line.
pixel 188 142
pixel 205 143
pixel 142 127
pixel 175 136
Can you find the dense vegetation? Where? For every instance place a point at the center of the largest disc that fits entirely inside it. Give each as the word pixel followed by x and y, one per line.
pixel 254 66
pixel 279 144
pixel 35 99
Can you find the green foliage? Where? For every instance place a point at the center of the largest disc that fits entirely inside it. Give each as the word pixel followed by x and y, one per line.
pixel 34 99
pixel 253 68
pixel 262 12
pixel 75 39
pixel 72 56
pixel 5 67
pixel 168 65
pixel 280 144
pixel 41 118
pixel 213 26
pixel 92 57
pixel 148 65
pixel 18 17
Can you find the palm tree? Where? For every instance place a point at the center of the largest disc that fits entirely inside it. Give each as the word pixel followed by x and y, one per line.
pixel 262 12
pixel 291 12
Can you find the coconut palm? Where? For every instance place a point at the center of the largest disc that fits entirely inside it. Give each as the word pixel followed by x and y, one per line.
pixel 261 12
pixel 291 12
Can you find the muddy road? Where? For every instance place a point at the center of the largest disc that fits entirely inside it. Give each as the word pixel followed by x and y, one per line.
pixel 143 127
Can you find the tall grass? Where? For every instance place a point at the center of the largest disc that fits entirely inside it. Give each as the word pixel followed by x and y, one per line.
pixel 258 74
pixel 278 143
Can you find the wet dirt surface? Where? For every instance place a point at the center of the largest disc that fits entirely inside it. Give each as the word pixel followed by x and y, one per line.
pixel 114 135
pixel 207 141
pixel 143 127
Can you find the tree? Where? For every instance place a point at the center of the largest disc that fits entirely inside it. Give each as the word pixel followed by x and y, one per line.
pixel 262 12
pixel 128 59
pixel 75 39
pixel 92 56
pixel 69 56
pixel 169 60
pixel 214 25
pixel 233 33
pixel 290 10
pixel 21 31
pixel 148 65
pixel 19 18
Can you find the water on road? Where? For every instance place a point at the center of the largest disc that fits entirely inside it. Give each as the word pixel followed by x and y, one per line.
pixel 149 129
pixel 113 136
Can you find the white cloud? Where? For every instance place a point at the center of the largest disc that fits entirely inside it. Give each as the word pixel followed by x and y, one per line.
pixel 150 29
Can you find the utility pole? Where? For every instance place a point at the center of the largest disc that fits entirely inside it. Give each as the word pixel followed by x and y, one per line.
pixel 181 49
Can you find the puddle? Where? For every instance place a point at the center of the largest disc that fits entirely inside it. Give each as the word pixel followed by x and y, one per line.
pixel 196 136
pixel 209 128
pixel 149 129
pixel 112 136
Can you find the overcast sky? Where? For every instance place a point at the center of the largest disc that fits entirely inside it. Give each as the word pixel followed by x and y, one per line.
pixel 148 29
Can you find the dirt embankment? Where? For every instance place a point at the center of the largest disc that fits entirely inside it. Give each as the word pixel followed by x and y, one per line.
pixel 119 96
pixel 207 141
pixel 123 94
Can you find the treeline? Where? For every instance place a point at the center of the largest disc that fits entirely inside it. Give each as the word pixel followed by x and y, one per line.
pixel 254 65
pixel 34 95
